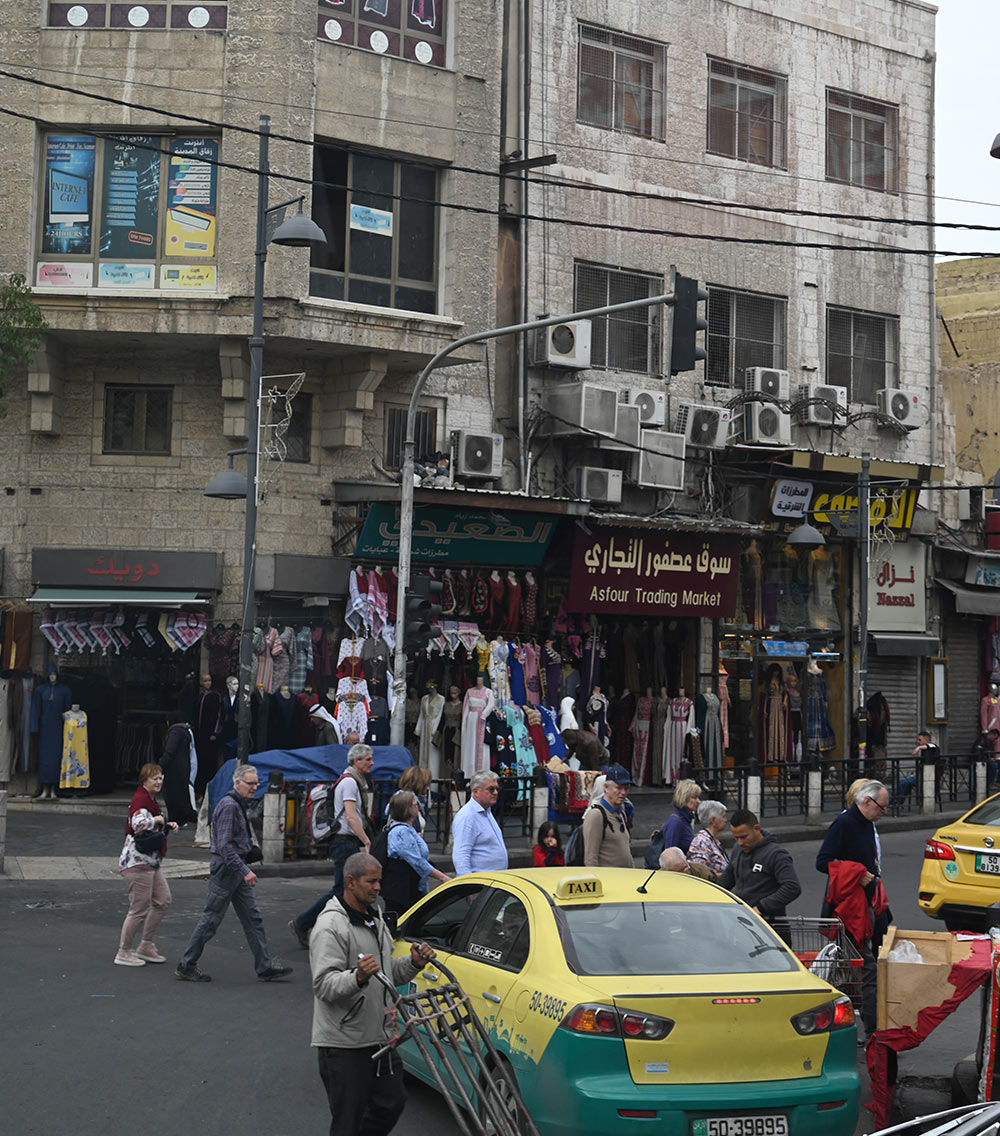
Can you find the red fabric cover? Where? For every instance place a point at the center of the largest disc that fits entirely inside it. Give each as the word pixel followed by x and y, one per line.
pixel 847 898
pixel 966 977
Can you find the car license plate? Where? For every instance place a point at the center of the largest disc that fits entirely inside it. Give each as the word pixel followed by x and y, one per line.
pixel 766 1124
pixel 987 863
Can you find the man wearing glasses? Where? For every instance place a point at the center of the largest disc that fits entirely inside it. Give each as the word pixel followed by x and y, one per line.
pixel 850 857
pixel 477 840
pixel 231 881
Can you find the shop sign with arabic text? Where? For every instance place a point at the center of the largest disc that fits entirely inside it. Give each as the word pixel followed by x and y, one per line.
pixel 654 573
pixel 896 589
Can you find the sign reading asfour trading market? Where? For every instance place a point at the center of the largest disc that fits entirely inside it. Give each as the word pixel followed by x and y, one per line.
pixel 651 572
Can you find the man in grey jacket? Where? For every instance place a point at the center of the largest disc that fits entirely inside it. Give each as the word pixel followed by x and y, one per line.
pixel 349 945
pixel 760 871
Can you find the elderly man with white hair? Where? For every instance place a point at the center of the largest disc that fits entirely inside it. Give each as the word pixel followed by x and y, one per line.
pixel 477 842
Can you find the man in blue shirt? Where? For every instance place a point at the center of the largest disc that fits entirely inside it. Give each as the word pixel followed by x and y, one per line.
pixel 477 840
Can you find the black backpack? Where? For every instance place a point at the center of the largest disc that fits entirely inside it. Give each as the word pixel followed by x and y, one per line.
pixel 400 883
pixel 573 855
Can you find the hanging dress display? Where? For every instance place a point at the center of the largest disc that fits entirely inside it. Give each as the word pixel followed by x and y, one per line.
pixel 679 721
pixel 74 770
pixel 774 735
pixel 709 721
pixel 640 738
pixel 476 707
pixel 499 676
pixel 49 701
pixel 819 732
pixel 657 727
pixel 427 729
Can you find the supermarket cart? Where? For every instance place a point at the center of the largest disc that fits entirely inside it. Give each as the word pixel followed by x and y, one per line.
pixel 460 1056
pixel 827 949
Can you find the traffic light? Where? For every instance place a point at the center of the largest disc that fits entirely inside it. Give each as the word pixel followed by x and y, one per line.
pixel 422 607
pixel 684 349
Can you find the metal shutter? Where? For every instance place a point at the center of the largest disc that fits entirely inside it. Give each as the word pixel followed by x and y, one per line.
pixel 896 676
pixel 962 642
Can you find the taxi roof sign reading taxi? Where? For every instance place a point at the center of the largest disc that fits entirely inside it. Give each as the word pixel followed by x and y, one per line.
pixel 579 887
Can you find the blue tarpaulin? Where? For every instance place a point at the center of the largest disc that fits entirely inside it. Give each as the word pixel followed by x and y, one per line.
pixel 318 763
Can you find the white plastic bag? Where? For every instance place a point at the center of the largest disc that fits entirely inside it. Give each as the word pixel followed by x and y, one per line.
pixel 825 963
pixel 905 951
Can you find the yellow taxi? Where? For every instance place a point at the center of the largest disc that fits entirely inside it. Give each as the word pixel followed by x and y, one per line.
pixel 960 878
pixel 630 1002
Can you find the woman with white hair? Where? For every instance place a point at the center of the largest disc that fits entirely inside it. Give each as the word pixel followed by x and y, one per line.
pixel 706 848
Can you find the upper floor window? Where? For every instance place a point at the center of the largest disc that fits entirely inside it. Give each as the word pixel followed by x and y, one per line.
pixel 861 141
pixel 134 211
pixel 621 81
pixel 623 341
pixel 424 435
pixel 381 230
pixel 137 419
pixel 412 29
pixel 745 329
pixel 298 435
pixel 862 352
pixel 747 112
pixel 153 15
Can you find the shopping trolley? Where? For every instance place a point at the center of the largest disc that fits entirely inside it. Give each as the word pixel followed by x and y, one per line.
pixel 825 947
pixel 460 1056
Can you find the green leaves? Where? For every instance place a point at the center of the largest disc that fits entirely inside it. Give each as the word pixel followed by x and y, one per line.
pixel 21 327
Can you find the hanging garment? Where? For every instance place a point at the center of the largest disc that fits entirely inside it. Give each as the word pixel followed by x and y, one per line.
pixel 774 733
pixel 551 662
pixel 352 714
pixel 724 709
pixel 321 669
pixel 477 706
pixel 539 742
pixel 499 675
pixel 557 747
pixel 495 610
pixel 595 715
pixel 594 651
pixel 679 721
pixel 451 736
pixel 512 612
pixel 378 603
pixel 819 732
pixel 176 762
pixel 532 681
pixel 657 725
pixel 481 597
pixel 303 661
pixel 709 722
pixel 516 658
pixel 280 717
pixel 427 730
pixel 223 652
pixel 283 656
pixel 524 750
pixel 357 603
pixel 74 769
pixel 500 742
pixel 640 734
pixel 270 645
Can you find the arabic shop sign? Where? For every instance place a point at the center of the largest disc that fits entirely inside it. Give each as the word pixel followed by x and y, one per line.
pixel 896 592
pixel 125 568
pixel 791 498
pixel 471 536
pixel 652 572
pixel 893 506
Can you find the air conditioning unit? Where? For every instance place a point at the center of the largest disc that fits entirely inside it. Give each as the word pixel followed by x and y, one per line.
pixel 596 484
pixel 767 380
pixel 817 414
pixel 627 435
pixel 576 407
pixel 652 405
pixel 659 464
pixel 563 345
pixel 479 455
pixel 767 424
pixel 705 426
pixel 906 406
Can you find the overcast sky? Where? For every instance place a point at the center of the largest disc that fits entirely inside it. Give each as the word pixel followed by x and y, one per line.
pixel 968 118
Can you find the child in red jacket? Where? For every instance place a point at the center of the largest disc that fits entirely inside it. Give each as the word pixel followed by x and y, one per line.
pixel 548 851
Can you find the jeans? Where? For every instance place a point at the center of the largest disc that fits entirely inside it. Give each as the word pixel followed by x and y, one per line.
pixel 366 1097
pixel 227 887
pixel 341 849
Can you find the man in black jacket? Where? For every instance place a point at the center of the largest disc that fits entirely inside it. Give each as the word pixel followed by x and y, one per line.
pixel 760 871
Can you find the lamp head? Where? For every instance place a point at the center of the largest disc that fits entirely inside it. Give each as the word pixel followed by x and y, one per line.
pixel 230 485
pixel 298 231
pixel 995 148
pixel 805 536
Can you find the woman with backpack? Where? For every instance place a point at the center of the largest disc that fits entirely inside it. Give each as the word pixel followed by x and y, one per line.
pixel 402 852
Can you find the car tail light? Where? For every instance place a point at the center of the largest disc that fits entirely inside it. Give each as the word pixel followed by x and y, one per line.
pixel 936 850
pixel 830 1016
pixel 596 1018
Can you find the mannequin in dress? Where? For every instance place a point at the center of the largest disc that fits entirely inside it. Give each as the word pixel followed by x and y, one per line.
pixel 451 732
pixel 208 723
pixel 477 706
pixel 230 712
pixel 709 723
pixel 499 675
pixel 657 727
pixel 774 733
pixel 795 715
pixel 74 772
pixel 428 730
pixel 819 732
pixel 724 705
pixel 595 716
pixel 640 736
pixel 679 722
pixel 989 712
pixel 49 701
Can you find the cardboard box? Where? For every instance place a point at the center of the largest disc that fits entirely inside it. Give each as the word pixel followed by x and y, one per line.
pixel 906 988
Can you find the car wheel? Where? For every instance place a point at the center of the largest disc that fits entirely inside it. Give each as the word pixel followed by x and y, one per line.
pixel 499 1082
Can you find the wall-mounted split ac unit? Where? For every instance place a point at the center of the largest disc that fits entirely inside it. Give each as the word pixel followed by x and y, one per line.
pixel 767 380
pixel 767 424
pixel 596 484
pixel 659 464
pixel 906 406
pixel 563 345
pixel 652 405
pixel 627 435
pixel 478 455
pixel 817 414
pixel 582 407
pixel 705 426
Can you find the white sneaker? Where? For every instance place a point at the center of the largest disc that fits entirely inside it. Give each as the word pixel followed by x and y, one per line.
pixel 147 952
pixel 128 958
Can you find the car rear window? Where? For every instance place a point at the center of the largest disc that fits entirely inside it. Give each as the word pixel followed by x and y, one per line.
pixel 670 938
pixel 987 813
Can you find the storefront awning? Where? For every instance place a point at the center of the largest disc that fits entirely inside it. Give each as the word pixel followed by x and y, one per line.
pixel 923 645
pixel 974 601
pixel 113 597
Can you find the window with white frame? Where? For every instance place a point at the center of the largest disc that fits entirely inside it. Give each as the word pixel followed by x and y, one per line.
pixel 861 141
pixel 745 329
pixel 424 435
pixel 862 352
pixel 380 220
pixel 747 113
pixel 627 340
pixel 621 81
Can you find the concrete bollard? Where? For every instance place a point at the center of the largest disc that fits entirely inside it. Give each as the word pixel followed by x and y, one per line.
pixel 979 774
pixel 273 829
pixel 754 793
pixel 928 788
pixel 814 796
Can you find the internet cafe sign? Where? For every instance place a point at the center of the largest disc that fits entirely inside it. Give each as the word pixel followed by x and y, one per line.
pixel 896 593
pixel 650 572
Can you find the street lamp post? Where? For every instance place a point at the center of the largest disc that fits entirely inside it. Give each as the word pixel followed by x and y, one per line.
pixel 398 720
pixel 298 231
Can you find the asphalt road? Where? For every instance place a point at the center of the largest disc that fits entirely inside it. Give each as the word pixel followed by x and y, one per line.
pixel 90 1047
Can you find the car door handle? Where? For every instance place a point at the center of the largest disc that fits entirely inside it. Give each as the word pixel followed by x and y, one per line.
pixel 491 997
pixel 431 976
